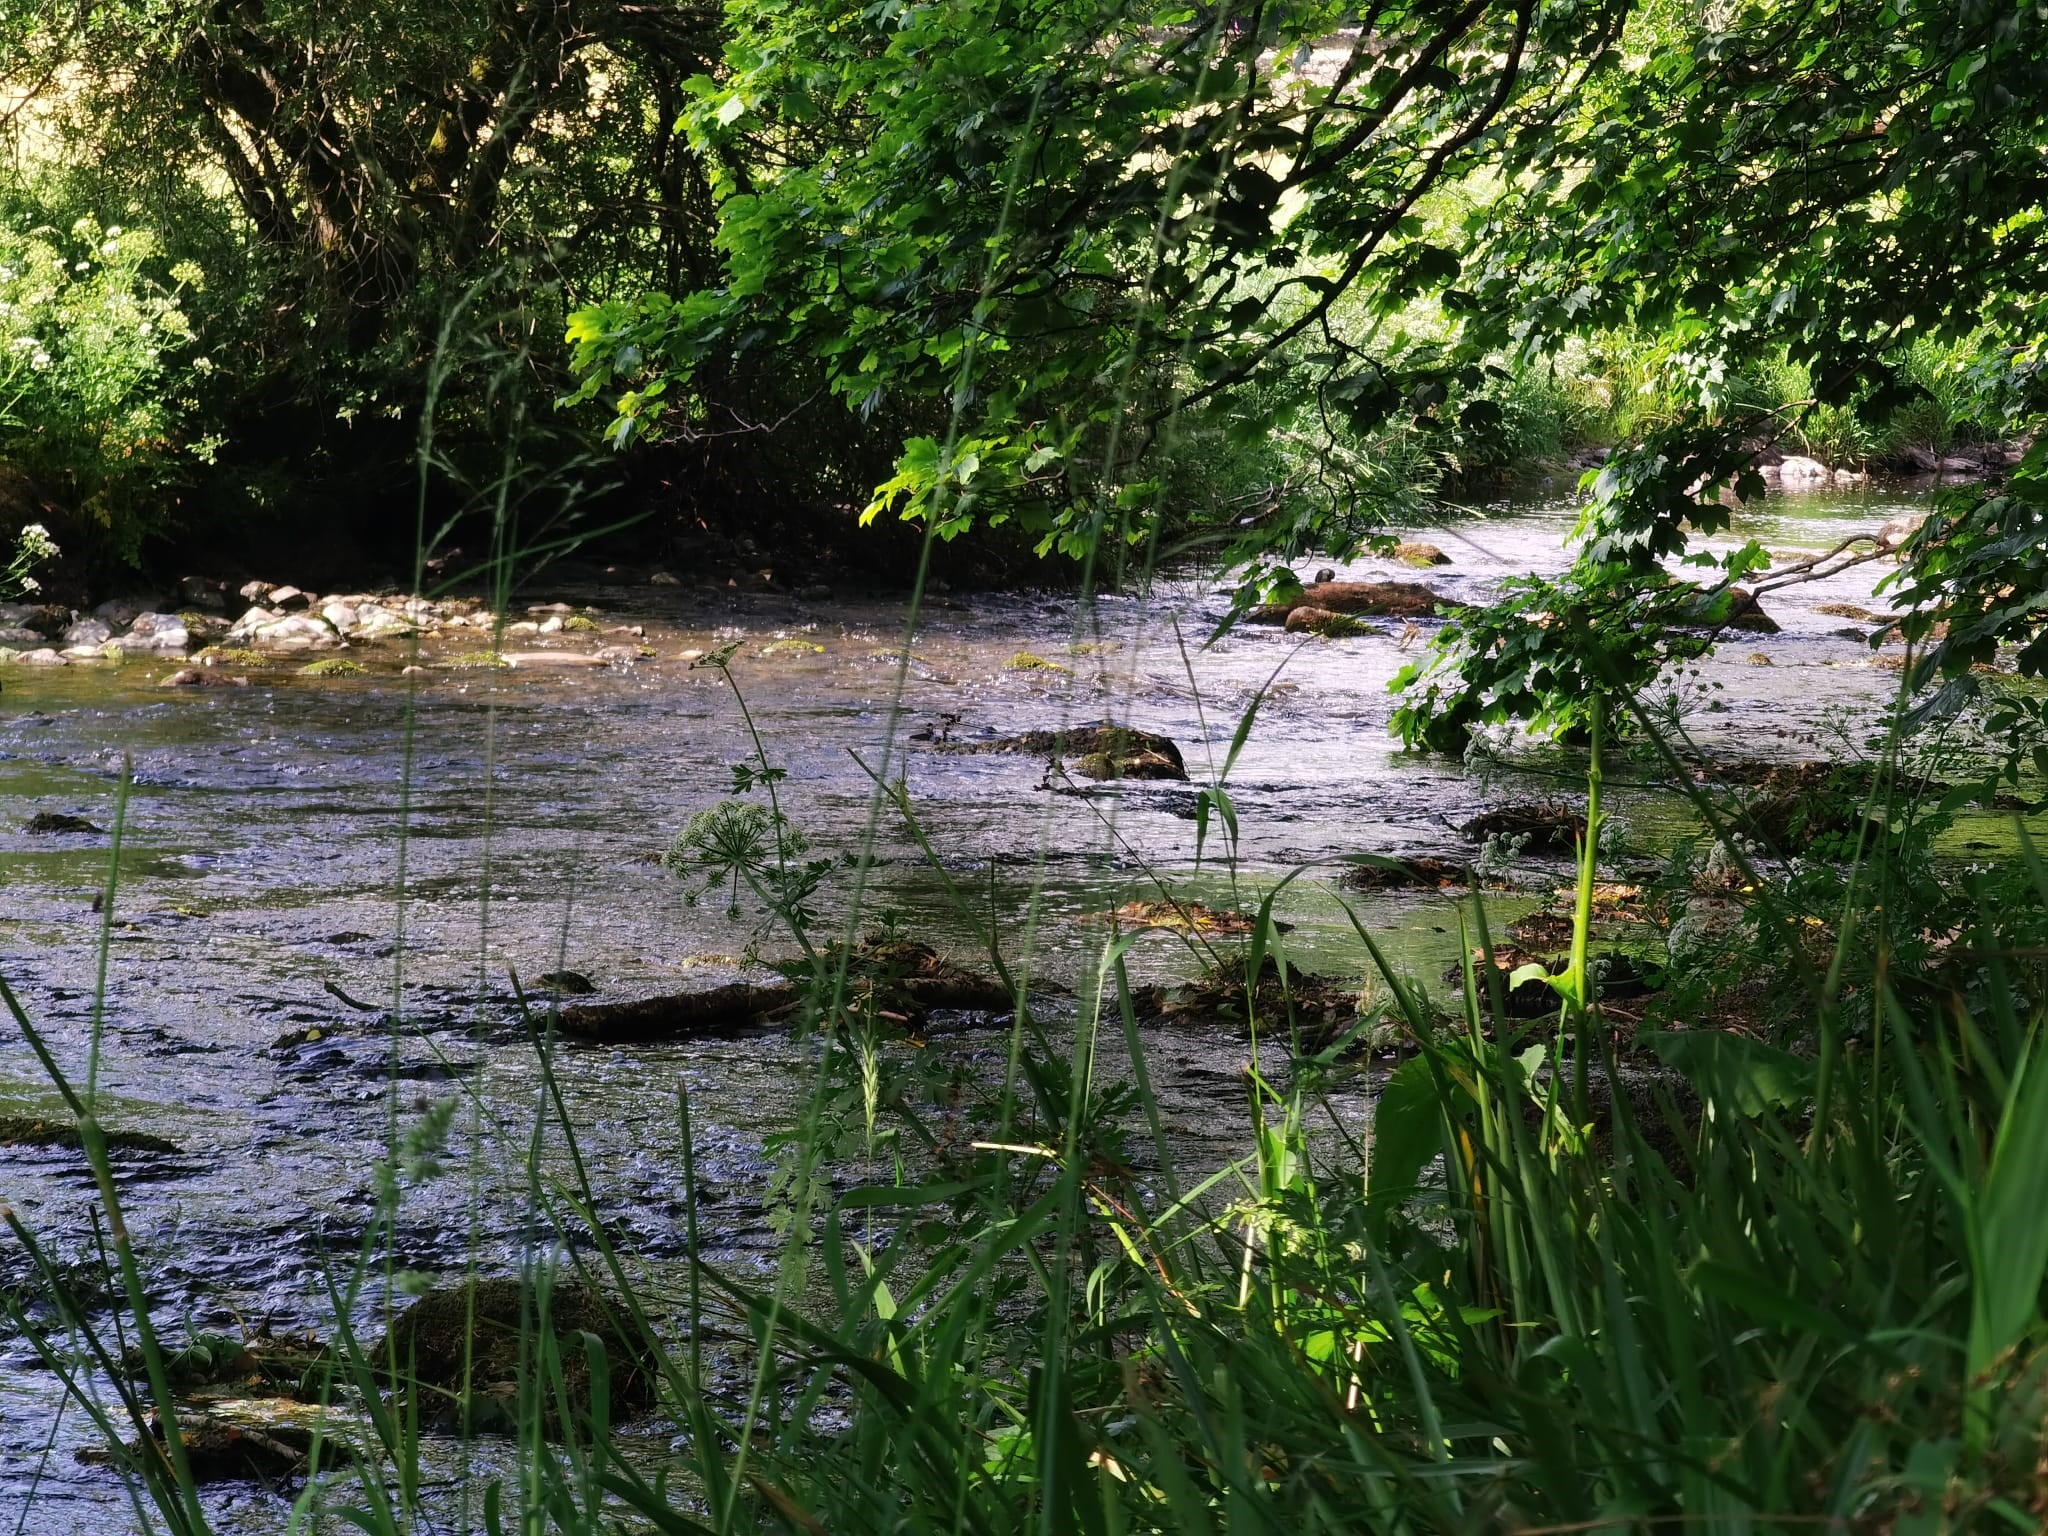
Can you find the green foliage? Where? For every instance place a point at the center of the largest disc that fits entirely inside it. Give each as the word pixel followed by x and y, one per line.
pixel 1788 191
pixel 96 371
pixel 1980 569
pixel 346 177
pixel 1057 232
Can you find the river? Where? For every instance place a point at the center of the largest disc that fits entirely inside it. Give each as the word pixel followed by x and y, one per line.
pixel 304 832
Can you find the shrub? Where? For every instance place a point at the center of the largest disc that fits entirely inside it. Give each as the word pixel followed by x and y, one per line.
pixel 94 358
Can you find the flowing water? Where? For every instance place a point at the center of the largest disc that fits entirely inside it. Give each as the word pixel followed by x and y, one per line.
pixel 415 839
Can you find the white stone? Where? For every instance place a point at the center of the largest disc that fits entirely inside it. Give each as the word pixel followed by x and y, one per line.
pixel 373 623
pixel 341 615
pixel 1798 467
pixel 42 658
pixel 296 632
pixel 551 626
pixel 252 621
pixel 155 632
pixel 88 633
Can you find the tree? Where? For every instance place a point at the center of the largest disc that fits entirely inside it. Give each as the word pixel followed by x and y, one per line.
pixel 1064 229
pixel 1058 230
pixel 345 175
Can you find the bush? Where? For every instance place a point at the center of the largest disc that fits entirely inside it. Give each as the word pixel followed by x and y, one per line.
pixel 95 357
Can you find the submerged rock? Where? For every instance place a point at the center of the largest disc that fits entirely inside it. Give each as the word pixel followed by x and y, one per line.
pixel 466 1346
pixel 898 980
pixel 1420 555
pixel 56 824
pixel 1389 599
pixel 1181 917
pixel 42 1131
pixel 1321 621
pixel 568 983
pixel 1100 750
pixel 1382 872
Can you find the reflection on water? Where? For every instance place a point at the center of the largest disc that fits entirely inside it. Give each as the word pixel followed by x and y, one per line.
pixel 271 830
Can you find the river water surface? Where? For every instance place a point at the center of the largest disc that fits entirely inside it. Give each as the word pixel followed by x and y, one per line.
pixel 417 838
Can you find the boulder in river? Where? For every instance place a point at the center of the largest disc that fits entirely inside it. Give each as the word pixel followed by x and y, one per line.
pixel 898 980
pixel 1331 626
pixel 119 612
pixel 284 632
pixel 57 824
pixel 223 1450
pixel 1732 608
pixel 1896 530
pixel 1390 599
pixel 465 1346
pixel 1099 750
pixel 1797 467
pixel 87 632
pixel 1420 555
pixel 155 633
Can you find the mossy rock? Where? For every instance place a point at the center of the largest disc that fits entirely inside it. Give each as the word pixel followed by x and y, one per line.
pixel 1420 555
pixel 778 648
pixel 334 666
pixel 465 1346
pixel 56 824
pixel 1101 750
pixel 1027 661
pixel 1331 626
pixel 471 659
pixel 580 624
pixel 232 656
pixel 43 1131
